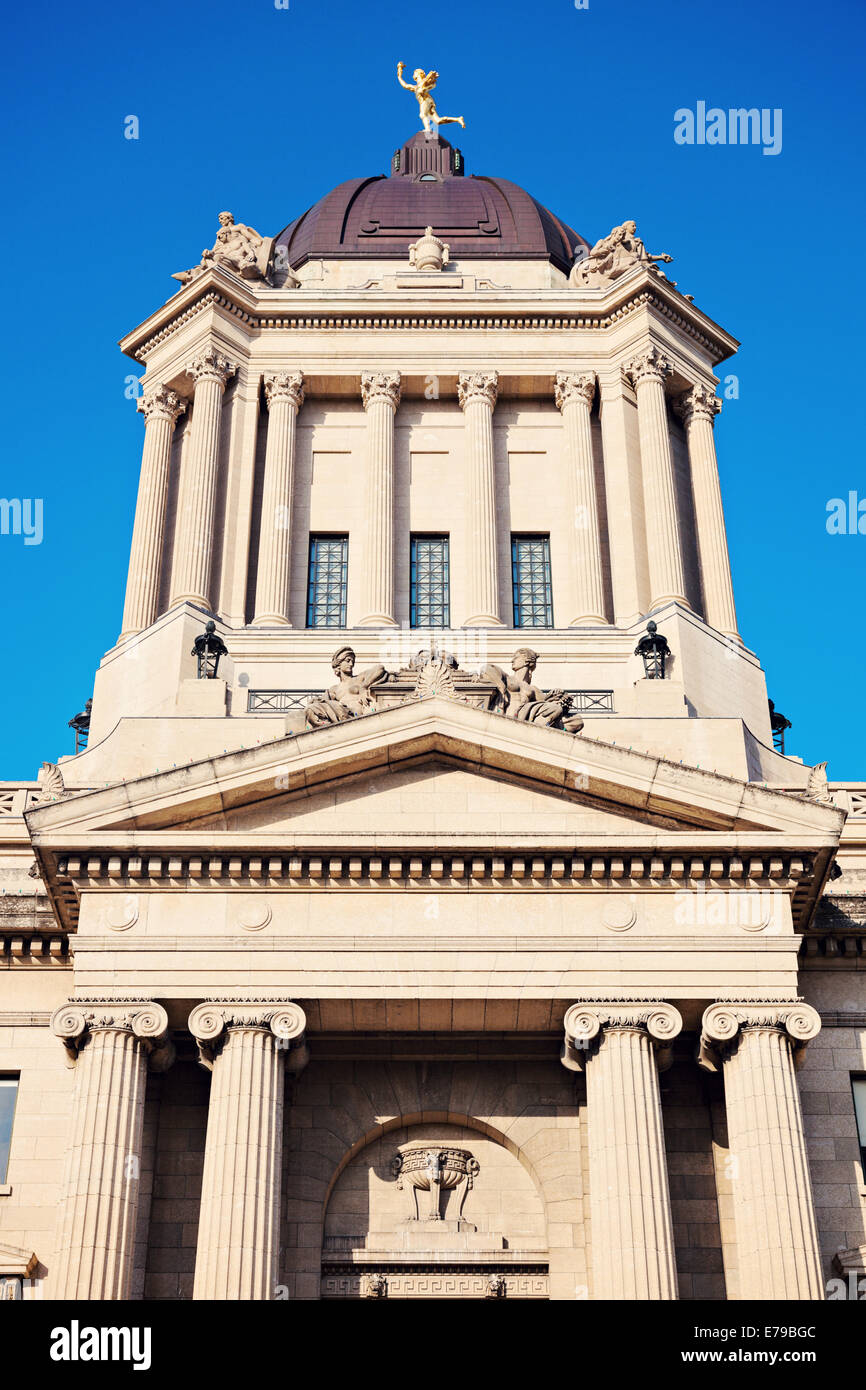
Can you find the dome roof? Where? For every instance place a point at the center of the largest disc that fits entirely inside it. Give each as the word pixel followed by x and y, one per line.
pixel 479 217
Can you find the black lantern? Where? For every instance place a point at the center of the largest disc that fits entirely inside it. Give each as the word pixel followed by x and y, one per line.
pixel 654 650
pixel 81 724
pixel 207 650
pixel 778 723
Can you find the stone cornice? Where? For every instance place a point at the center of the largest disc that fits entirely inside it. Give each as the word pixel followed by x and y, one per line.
pixel 525 311
pixel 724 1022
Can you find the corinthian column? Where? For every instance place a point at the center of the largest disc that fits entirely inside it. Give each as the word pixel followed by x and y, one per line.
pixel 245 1044
pixel 648 372
pixel 284 394
pixel 632 1232
pixel 477 392
pixel 160 408
pixel 698 407
pixel 574 396
pixel 111 1042
pixel 757 1046
pixel 380 393
pixel 190 580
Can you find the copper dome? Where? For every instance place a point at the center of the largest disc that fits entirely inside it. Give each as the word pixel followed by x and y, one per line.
pixel 479 217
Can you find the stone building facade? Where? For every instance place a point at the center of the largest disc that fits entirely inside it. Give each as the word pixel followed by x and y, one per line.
pixel 412 953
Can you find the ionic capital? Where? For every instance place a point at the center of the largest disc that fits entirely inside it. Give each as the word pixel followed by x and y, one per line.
pixel 211 1022
pixel 651 365
pixel 77 1020
pixel 588 1023
pixel 574 388
pixel 477 386
pixel 377 387
pixel 724 1025
pixel 211 365
pixel 161 403
pixel 285 386
pixel 699 402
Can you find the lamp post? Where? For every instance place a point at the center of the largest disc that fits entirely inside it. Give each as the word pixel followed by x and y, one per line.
pixel 207 650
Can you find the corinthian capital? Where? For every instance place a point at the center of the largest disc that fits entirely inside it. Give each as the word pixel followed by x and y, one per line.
pixel 285 386
pixel 650 365
pixel 380 386
pixel 700 402
pixel 75 1021
pixel 588 1023
pixel 211 365
pixel 574 388
pixel 161 403
pixel 724 1025
pixel 477 386
pixel 211 1022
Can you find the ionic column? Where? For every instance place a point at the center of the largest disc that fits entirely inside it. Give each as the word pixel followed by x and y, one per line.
pixel 160 408
pixel 667 581
pixel 477 392
pixel 757 1047
pixel 245 1044
pixel 190 580
pixel 111 1042
pixel 698 408
pixel 632 1230
pixel 284 394
pixel 574 396
pixel 380 393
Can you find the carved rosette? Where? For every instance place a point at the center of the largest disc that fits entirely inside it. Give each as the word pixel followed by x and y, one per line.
pixel 75 1021
pixel 724 1024
pixel 211 1022
pixel 161 403
pixel 211 365
pixel 380 388
pixel 698 403
pixel 586 1025
pixel 651 365
pixel 477 387
pixel 285 386
pixel 574 388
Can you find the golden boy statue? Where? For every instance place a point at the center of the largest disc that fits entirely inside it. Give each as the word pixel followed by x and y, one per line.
pixel 424 82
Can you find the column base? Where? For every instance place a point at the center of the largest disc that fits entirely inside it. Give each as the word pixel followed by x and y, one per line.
pixel 589 620
pixel 483 620
pixel 377 620
pixel 198 599
pixel 663 599
pixel 270 620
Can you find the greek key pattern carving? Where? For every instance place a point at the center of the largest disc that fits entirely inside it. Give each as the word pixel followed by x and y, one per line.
pixel 434 1285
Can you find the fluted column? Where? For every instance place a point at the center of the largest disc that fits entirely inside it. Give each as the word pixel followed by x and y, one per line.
pixel 477 392
pixel 698 408
pixel 757 1046
pixel 632 1230
pixel 380 394
pixel 574 395
pixel 111 1042
pixel 667 581
pixel 160 408
pixel 210 370
pixel 245 1044
pixel 284 393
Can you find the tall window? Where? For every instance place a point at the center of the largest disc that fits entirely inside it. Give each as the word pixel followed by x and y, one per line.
pixel 858 1085
pixel 326 583
pixel 429 582
pixel 530 579
pixel 8 1096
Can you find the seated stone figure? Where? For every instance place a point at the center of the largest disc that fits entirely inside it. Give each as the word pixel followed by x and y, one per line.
pixel 520 698
pixel 237 248
pixel 611 257
pixel 349 697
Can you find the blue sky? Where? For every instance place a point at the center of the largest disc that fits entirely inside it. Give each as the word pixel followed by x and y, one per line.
pixel 262 110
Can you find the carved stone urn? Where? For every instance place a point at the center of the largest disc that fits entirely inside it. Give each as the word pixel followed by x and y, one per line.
pixel 425 1168
pixel 428 252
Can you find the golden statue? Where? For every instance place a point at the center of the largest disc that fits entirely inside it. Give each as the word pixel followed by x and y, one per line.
pixel 424 82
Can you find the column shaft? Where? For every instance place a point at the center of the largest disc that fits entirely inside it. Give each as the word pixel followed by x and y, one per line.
pixel 161 408
pixel 623 492
pixel 284 394
pixel 198 484
pixel 380 392
pixel 574 396
pixel 632 1229
pixel 777 1241
pixel 699 406
pixel 664 551
pixel 477 392
pixel 102 1179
